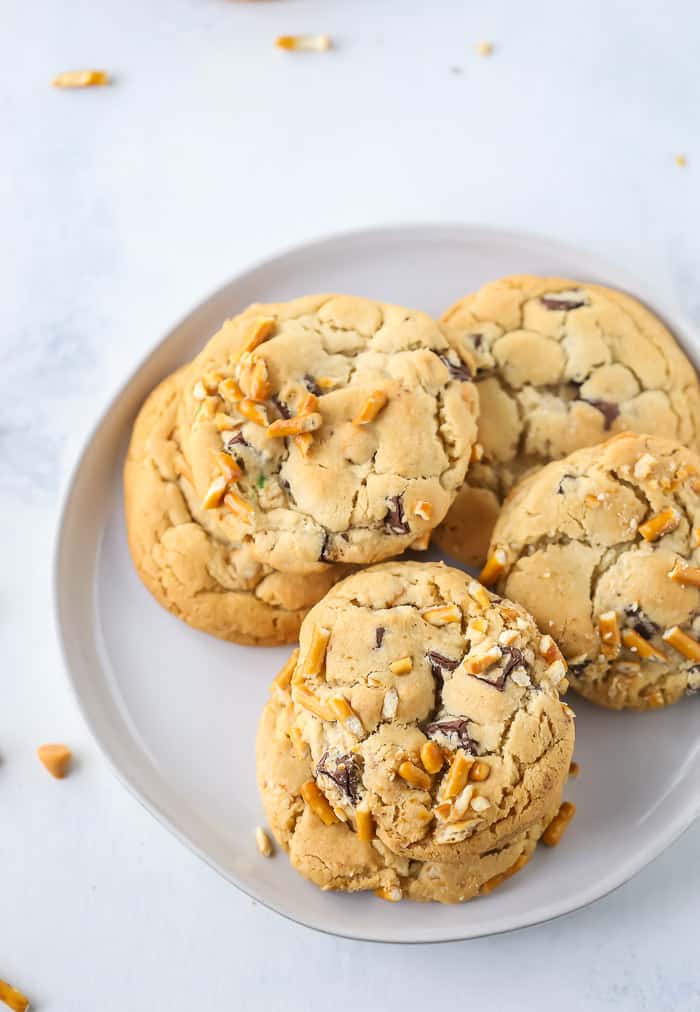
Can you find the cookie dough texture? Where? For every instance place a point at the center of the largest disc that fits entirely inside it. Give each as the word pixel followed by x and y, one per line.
pixel 612 532
pixel 561 365
pixel 507 715
pixel 212 583
pixel 346 492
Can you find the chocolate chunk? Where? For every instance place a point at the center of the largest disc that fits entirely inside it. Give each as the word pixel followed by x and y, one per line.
pixel 237 439
pixel 608 410
pixel 641 622
pixel 552 302
pixel 576 667
pixel 565 477
pixel 283 408
pixel 312 386
pixel 379 635
pixel 323 555
pixel 440 663
pixel 344 772
pixel 457 370
pixel 395 519
pixel 476 339
pixel 457 727
pixel 513 659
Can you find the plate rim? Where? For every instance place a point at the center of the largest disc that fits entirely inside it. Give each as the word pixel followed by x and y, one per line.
pixel 678 321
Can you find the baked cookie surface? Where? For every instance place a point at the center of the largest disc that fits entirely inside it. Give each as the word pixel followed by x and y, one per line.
pixel 213 584
pixel 429 714
pixel 350 424
pixel 560 365
pixel 335 857
pixel 603 548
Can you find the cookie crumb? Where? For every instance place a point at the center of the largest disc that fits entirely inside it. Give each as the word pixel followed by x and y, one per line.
pixel 305 43
pixel 81 79
pixel 56 759
pixel 12 998
pixel 574 770
pixel 484 48
pixel 681 161
pixel 262 841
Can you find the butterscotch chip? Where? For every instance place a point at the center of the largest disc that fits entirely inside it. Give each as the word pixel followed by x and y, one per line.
pixel 56 759
pixel 618 588
pixel 362 488
pixel 560 365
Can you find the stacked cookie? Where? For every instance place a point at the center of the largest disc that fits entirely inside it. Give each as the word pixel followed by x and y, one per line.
pixel 416 743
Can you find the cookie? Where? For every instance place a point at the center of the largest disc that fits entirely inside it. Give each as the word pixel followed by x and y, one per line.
pixel 431 715
pixel 560 365
pixel 335 856
pixel 348 425
pixel 603 548
pixel 214 584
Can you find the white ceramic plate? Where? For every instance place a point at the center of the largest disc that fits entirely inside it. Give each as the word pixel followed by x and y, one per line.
pixel 176 711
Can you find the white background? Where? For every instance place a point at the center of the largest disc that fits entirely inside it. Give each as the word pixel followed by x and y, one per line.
pixel 120 208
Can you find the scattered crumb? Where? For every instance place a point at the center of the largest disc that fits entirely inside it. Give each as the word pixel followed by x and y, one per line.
pixel 681 161
pixel 56 759
pixel 307 43
pixel 12 998
pixel 574 769
pixel 484 48
pixel 81 79
pixel 263 842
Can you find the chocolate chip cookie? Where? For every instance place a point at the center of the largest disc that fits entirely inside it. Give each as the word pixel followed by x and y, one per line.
pixel 329 851
pixel 560 365
pixel 328 429
pixel 426 713
pixel 213 583
pixel 603 548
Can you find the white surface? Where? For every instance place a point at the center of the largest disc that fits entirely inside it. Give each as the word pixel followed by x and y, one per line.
pixel 119 209
pixel 192 762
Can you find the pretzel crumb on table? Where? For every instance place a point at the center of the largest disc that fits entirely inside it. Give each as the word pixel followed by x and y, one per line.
pixel 81 79
pixel 13 998
pixel 305 43
pixel 263 842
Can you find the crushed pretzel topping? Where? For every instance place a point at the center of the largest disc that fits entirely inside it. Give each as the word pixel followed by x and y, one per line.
pixel 262 841
pixel 304 43
pixel 81 79
pixel 494 568
pixel 659 524
pixel 376 401
pixel 13 998
pixel 683 643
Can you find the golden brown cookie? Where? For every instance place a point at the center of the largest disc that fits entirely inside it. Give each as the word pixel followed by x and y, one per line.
pixel 347 424
pixel 560 365
pixel 425 716
pixel 182 557
pixel 603 549
pixel 334 856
